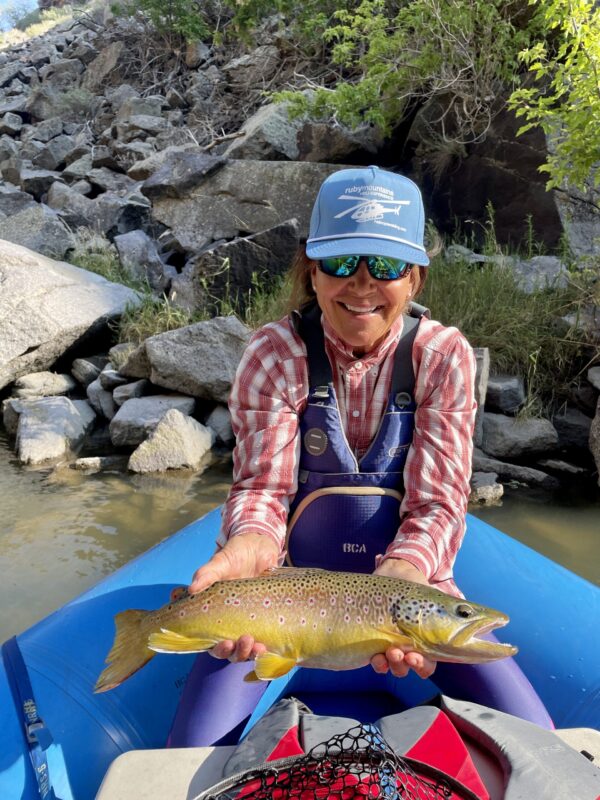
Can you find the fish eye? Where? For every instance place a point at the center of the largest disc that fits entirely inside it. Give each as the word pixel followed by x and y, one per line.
pixel 464 610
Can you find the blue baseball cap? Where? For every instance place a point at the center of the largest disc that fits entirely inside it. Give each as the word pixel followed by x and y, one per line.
pixel 368 211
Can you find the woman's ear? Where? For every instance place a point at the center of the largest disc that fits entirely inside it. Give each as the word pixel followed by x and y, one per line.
pixel 313 272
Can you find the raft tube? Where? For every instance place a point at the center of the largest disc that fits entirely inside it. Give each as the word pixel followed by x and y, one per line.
pixel 553 613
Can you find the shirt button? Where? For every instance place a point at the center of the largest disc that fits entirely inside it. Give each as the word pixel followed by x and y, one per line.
pixel 358 365
pixel 356 413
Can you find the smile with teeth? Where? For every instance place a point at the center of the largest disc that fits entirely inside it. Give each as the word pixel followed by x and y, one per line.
pixel 360 309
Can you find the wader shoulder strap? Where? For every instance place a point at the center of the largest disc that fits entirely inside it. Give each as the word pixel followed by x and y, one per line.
pixel 37 735
pixel 308 326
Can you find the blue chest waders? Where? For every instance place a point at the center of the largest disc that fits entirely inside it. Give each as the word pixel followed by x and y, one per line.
pixel 346 511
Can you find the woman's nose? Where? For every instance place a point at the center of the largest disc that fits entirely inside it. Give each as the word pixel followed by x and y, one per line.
pixel 362 276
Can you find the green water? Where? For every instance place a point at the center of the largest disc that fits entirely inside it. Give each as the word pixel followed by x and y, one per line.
pixel 61 531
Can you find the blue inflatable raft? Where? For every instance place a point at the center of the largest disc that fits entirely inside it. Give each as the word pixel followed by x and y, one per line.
pixel 554 622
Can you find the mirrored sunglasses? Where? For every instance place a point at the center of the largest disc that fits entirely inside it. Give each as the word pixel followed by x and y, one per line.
pixel 381 268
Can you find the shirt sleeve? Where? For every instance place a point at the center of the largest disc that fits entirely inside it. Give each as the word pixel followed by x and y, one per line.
pixel 438 467
pixel 265 401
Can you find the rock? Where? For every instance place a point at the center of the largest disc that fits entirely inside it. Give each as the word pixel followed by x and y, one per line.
pixel 541 272
pixel 10 124
pixel 563 468
pixel 47 129
pixel 593 376
pixel 505 394
pixel 86 370
pixel 62 75
pixel 506 437
pixel 143 169
pixel 43 384
pixel 130 390
pixel 267 254
pixel 52 427
pixel 138 417
pixel 573 429
pixel 100 464
pixel 37 228
pixel 595 439
pixel 482 372
pixel 253 68
pixel 134 106
pixel 37 181
pixel 513 472
pixel 177 442
pixel 196 53
pixel 200 359
pixel 484 489
pixel 270 134
pixel 46 306
pixel 241 198
pixel 135 363
pixel 55 153
pixel 101 67
pixel 180 172
pixel 101 400
pixel 110 379
pixel 140 259
pixel 219 420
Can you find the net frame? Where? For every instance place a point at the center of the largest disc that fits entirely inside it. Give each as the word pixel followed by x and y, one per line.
pixel 358 763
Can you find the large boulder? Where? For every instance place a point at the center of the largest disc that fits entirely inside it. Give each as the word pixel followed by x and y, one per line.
pixel 200 359
pixel 177 442
pixel 52 427
pixel 46 306
pixel 507 437
pixel 241 198
pixel 138 417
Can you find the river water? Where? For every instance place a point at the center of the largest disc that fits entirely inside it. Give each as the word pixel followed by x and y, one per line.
pixel 61 530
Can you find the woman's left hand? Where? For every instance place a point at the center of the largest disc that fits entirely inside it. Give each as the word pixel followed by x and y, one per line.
pixel 395 659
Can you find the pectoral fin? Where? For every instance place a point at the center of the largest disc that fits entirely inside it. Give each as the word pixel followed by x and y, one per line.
pixel 170 642
pixel 270 665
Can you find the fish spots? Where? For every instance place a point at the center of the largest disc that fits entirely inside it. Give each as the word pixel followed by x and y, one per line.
pixel 322 613
pixel 311 601
pixel 359 620
pixel 267 602
pixel 206 607
pixel 252 616
pixel 333 600
pixel 288 601
pixel 302 621
pixel 346 618
pixel 281 620
pixel 182 613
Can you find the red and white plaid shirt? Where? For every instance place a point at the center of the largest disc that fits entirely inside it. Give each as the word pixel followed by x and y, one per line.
pixel 270 393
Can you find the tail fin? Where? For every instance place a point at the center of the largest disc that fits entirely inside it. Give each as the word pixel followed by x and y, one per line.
pixel 129 651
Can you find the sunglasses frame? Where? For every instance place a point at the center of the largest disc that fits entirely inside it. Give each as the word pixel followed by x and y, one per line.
pixel 353 269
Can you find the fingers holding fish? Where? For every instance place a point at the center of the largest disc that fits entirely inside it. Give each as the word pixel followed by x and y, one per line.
pixel 244 649
pixel 400 663
pixel 244 556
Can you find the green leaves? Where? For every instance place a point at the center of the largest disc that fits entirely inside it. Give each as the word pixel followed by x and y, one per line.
pixel 565 98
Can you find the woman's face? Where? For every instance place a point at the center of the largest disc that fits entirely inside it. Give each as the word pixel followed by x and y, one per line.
pixel 360 309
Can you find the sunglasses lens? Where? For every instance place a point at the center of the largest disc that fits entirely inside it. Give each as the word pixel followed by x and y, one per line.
pixel 387 269
pixel 380 267
pixel 340 266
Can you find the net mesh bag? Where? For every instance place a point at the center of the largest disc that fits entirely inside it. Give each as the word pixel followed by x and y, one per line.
pixel 356 764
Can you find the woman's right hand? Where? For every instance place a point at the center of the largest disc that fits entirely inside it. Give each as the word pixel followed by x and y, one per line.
pixel 244 556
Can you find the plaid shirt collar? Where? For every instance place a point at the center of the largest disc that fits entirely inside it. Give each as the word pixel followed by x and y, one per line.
pixel 343 351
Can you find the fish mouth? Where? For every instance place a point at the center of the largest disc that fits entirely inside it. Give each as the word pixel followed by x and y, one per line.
pixel 469 643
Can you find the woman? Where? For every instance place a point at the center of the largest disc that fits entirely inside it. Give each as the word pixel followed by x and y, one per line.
pixel 352 412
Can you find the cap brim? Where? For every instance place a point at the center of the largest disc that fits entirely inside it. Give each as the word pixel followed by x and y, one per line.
pixel 366 246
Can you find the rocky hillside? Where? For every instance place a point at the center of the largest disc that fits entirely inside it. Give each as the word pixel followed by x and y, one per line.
pixel 177 158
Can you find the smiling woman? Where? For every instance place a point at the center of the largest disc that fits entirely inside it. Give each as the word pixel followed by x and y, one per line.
pixel 353 419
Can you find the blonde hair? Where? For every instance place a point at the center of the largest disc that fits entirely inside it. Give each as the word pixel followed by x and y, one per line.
pixel 302 293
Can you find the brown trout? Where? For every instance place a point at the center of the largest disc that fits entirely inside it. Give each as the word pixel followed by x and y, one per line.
pixel 308 617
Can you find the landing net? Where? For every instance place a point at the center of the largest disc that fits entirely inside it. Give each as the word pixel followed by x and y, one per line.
pixel 356 764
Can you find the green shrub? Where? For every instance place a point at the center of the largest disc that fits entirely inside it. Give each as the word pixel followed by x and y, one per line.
pixel 525 333
pixel 153 316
